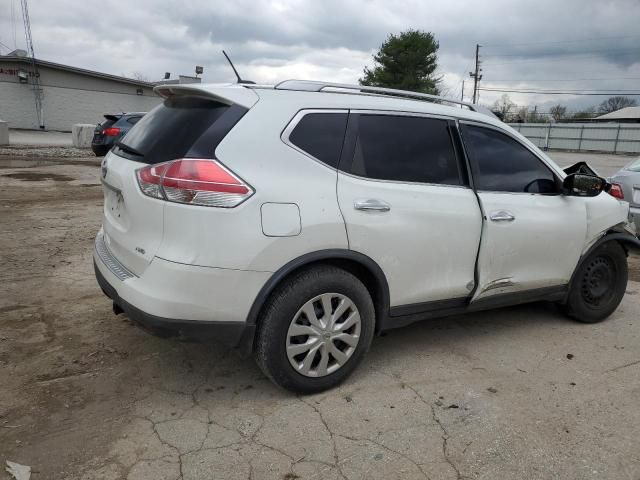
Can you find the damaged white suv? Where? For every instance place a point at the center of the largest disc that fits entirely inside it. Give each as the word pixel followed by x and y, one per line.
pixel 297 221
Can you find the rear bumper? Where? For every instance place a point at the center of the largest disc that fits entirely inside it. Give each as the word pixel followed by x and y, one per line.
pixel 232 334
pixel 173 299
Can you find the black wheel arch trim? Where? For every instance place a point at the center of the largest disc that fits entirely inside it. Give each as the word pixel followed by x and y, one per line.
pixel 627 240
pixel 337 254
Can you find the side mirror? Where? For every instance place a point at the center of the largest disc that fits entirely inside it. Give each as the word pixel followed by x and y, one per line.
pixel 581 185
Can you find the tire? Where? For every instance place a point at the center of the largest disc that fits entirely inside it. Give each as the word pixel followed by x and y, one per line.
pixel 599 284
pixel 100 151
pixel 284 315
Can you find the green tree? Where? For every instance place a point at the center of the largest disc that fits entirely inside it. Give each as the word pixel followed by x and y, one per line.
pixel 407 61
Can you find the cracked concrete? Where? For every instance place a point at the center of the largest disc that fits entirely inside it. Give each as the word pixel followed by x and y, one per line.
pixel 87 396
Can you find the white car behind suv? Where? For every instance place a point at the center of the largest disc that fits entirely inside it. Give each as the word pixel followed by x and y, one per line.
pixel 297 221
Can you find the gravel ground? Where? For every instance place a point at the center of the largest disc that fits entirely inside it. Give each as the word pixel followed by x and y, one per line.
pixel 513 393
pixel 30 151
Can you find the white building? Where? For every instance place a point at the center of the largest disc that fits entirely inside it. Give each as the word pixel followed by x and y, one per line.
pixel 69 94
pixel 624 115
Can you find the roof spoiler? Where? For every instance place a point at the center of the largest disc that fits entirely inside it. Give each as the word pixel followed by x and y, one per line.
pixel 228 94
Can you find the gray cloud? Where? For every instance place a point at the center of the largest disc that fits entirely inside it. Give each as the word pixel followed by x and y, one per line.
pixel 542 44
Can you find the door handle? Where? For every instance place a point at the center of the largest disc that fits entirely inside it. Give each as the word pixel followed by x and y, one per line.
pixel 502 216
pixel 372 204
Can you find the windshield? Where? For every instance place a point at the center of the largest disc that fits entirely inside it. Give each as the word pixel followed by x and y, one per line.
pixel 634 166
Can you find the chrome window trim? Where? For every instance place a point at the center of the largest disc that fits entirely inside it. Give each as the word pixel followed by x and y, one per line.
pixel 402 113
pixel 400 182
pixel 293 123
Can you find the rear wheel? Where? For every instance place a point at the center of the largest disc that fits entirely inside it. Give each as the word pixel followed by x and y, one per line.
pixel 100 151
pixel 315 330
pixel 599 284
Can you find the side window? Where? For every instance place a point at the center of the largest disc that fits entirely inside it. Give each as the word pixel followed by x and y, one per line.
pixel 501 164
pixel 321 136
pixel 405 149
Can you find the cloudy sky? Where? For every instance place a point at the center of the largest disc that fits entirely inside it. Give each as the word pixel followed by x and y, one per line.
pixel 536 45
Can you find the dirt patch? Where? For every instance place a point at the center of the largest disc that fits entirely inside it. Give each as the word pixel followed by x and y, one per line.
pixel 86 395
pixel 26 163
pixel 38 177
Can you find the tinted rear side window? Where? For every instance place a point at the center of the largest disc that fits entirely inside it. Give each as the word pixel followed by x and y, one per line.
pixel 321 136
pixel 406 149
pixel 501 164
pixel 171 129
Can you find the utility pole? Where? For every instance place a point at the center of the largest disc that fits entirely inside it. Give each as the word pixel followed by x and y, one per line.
pixel 34 75
pixel 476 75
pixel 462 96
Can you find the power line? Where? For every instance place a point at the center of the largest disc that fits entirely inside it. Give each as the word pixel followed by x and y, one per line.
pixel 573 92
pixel 562 79
pixel 559 59
pixel 543 54
pixel 622 90
pixel 554 42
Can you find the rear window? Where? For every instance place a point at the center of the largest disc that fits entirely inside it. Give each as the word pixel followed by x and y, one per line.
pixel 106 123
pixel 171 130
pixel 321 136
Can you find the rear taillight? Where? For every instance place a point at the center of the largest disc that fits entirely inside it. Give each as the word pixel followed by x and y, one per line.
pixel 194 181
pixel 615 190
pixel 111 131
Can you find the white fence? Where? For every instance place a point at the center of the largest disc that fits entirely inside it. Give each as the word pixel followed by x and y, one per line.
pixel 595 137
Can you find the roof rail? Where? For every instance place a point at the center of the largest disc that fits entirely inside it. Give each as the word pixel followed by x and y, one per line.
pixel 315 86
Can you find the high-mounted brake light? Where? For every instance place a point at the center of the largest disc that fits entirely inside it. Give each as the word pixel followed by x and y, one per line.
pixel 615 190
pixel 111 131
pixel 194 181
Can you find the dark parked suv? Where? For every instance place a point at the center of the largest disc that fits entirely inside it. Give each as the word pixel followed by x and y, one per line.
pixel 112 129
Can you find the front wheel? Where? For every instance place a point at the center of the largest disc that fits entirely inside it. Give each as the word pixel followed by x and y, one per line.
pixel 315 329
pixel 599 284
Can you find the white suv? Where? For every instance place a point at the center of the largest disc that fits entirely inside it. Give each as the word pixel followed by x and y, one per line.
pixel 298 221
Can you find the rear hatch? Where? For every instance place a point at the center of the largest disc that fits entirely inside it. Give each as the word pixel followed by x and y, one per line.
pixel 98 136
pixel 188 124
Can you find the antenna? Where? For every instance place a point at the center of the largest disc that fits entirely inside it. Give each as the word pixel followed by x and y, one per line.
pixel 240 80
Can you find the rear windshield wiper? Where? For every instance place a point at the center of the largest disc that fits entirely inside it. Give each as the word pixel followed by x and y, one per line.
pixel 129 149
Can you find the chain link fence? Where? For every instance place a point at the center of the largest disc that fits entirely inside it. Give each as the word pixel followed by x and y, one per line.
pixel 583 137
